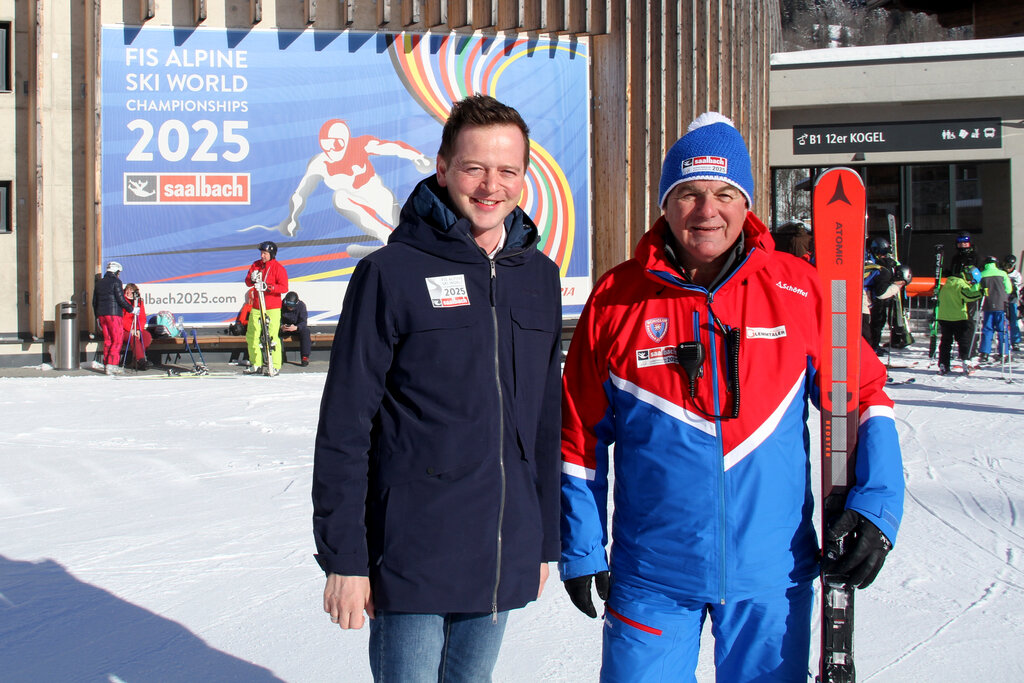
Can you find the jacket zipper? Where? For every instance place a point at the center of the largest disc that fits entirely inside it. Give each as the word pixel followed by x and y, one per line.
pixel 501 441
pixel 722 517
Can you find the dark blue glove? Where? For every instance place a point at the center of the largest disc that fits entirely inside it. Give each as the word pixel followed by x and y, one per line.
pixel 855 550
pixel 579 591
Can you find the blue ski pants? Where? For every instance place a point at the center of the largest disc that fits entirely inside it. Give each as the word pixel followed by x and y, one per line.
pixel 995 324
pixel 650 637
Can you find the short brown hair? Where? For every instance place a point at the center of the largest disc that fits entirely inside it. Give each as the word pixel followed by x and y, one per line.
pixel 480 110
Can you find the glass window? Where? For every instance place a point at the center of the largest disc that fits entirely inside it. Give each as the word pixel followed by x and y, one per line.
pixel 5 56
pixel 791 195
pixel 5 206
pixel 929 198
pixel 967 181
pixel 883 197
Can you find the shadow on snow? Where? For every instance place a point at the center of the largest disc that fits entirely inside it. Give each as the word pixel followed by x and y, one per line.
pixel 54 627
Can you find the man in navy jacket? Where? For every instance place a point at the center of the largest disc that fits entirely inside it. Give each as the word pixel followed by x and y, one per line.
pixel 436 473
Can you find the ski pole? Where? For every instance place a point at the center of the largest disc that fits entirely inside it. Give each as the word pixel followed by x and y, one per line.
pixel 142 340
pixel 195 342
pixel 184 340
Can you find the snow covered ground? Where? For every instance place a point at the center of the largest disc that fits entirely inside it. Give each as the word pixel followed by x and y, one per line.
pixel 159 530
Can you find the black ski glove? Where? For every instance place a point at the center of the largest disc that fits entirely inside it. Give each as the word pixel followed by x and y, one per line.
pixel 579 591
pixel 864 548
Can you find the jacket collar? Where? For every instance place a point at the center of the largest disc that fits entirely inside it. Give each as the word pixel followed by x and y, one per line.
pixel 758 246
pixel 430 223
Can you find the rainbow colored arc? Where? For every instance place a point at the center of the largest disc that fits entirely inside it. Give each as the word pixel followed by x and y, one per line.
pixel 438 70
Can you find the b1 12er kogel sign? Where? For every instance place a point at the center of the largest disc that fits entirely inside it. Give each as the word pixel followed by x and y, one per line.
pixel 903 136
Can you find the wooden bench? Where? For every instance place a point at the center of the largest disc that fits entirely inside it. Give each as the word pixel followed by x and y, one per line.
pixel 230 348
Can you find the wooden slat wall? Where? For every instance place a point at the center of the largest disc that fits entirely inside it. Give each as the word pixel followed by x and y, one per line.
pixel 679 58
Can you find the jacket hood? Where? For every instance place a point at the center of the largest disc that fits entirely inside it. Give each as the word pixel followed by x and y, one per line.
pixel 758 246
pixel 430 223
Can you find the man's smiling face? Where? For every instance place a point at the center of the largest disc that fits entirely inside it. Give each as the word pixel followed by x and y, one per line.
pixel 485 175
pixel 706 218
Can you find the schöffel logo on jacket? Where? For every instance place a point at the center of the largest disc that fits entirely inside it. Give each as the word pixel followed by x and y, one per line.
pixel 766 332
pixel 790 288
pixel 447 291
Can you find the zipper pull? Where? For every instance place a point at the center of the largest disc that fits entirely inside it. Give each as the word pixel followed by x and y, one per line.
pixel 494 269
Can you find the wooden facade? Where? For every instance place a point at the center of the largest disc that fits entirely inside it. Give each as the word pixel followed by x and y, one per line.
pixel 654 67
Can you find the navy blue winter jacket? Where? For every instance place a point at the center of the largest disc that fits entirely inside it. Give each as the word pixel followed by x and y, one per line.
pixel 108 297
pixel 296 315
pixel 436 467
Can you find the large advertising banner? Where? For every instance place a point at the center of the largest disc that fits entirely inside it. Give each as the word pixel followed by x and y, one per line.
pixel 215 140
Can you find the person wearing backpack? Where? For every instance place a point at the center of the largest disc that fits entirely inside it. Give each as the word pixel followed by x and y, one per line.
pixel 108 304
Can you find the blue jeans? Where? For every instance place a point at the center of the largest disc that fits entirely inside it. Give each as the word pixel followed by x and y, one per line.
pixel 434 648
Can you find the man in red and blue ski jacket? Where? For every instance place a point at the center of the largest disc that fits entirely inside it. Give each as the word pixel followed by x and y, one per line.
pixel 696 360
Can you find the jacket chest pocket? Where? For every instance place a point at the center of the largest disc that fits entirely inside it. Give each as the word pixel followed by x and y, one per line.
pixel 534 336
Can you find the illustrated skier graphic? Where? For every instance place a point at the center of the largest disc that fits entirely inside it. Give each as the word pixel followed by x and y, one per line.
pixel 697 359
pixel 345 167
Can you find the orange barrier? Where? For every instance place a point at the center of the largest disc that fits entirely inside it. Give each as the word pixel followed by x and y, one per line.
pixel 921 286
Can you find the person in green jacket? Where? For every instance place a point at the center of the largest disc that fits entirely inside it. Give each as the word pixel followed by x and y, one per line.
pixel 957 291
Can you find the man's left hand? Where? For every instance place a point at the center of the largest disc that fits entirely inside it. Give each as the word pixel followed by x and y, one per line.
pixel 864 549
pixel 579 591
pixel 544 571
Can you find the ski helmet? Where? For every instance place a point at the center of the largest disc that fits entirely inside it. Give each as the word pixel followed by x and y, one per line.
pixel 1010 262
pixel 114 267
pixel 879 246
pixel 290 299
pixel 963 240
pixel 269 247
pixel 903 273
pixel 991 259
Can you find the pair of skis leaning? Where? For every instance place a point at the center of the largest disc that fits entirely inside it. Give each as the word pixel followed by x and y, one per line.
pixel 266 343
pixel 839 210
pixel 899 324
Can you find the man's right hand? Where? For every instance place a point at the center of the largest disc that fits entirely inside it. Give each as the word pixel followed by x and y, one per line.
pixel 579 591
pixel 345 599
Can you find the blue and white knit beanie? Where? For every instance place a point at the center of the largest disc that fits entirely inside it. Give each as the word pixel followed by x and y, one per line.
pixel 712 149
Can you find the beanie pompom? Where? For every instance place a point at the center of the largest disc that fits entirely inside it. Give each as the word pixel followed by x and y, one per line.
pixel 706 119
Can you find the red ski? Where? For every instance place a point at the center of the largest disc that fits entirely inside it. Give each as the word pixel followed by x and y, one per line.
pixel 839 213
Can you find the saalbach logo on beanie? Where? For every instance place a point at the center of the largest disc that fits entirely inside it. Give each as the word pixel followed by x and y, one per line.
pixel 712 149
